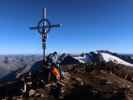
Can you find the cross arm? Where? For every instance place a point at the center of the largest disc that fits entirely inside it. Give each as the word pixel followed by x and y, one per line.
pixel 55 25
pixel 36 28
pixel 33 28
pixel 48 26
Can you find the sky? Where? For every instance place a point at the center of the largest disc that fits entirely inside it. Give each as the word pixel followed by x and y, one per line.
pixel 88 25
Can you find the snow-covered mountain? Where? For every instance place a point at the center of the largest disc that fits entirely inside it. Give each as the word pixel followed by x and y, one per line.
pixel 102 56
pixel 111 58
pixel 82 59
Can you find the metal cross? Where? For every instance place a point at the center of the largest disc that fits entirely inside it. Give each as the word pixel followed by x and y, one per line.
pixel 43 27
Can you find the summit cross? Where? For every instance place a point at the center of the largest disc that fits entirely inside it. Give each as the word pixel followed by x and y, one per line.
pixel 43 27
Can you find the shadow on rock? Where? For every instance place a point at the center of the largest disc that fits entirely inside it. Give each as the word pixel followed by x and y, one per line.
pixel 11 89
pixel 39 73
pixel 86 93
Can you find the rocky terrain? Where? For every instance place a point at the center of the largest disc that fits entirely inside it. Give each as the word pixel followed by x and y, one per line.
pixel 81 82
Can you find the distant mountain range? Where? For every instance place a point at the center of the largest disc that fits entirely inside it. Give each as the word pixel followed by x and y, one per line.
pixel 12 65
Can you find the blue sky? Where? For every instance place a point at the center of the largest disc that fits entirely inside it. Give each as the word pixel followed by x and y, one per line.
pixel 88 25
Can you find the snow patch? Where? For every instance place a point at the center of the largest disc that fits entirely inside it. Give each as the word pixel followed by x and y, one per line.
pixel 108 57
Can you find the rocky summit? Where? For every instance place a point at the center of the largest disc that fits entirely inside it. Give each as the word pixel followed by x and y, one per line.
pixel 80 82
